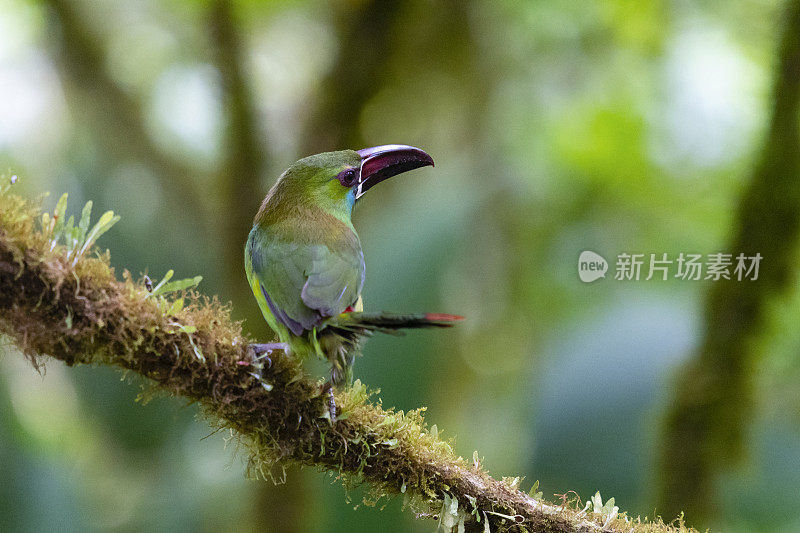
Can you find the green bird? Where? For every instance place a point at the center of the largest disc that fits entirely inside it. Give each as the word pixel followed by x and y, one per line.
pixel 305 264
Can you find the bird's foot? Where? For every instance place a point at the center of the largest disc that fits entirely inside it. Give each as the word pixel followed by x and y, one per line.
pixel 264 349
pixel 327 387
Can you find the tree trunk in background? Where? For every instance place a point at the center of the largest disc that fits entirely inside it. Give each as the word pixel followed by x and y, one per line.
pixel 705 429
pixel 115 112
pixel 239 180
pixel 276 508
pixel 360 70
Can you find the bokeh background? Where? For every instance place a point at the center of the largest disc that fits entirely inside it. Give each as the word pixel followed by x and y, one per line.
pixel 557 127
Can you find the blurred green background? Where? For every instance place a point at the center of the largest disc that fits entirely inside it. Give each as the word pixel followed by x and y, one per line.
pixel 557 127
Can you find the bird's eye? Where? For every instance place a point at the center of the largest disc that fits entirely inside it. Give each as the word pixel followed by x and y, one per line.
pixel 348 177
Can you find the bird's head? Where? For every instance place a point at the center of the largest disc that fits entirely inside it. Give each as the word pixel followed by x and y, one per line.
pixel 335 180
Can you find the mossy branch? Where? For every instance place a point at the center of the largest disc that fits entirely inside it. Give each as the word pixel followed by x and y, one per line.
pixel 73 308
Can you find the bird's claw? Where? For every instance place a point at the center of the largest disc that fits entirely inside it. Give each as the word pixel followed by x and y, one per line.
pixel 265 349
pixel 327 387
pixel 266 358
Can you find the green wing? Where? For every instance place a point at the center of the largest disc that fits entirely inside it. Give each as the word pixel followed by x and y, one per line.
pixel 306 283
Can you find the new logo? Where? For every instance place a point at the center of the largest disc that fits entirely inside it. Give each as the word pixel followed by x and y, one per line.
pixel 591 266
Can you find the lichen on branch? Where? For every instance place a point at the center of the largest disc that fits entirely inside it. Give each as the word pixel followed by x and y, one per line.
pixel 60 298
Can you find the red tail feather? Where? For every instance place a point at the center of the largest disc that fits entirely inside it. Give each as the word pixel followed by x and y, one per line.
pixel 443 317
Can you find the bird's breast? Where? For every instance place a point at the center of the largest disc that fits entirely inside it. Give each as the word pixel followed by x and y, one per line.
pixel 308 226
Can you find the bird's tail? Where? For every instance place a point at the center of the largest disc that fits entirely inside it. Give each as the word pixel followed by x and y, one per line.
pixel 344 335
pixel 393 323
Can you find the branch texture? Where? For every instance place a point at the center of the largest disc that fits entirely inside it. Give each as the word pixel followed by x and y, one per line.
pixel 73 308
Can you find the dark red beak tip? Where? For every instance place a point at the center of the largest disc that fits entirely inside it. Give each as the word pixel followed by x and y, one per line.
pixel 381 162
pixel 396 152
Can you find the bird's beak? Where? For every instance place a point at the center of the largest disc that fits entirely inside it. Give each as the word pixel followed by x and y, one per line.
pixel 381 162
